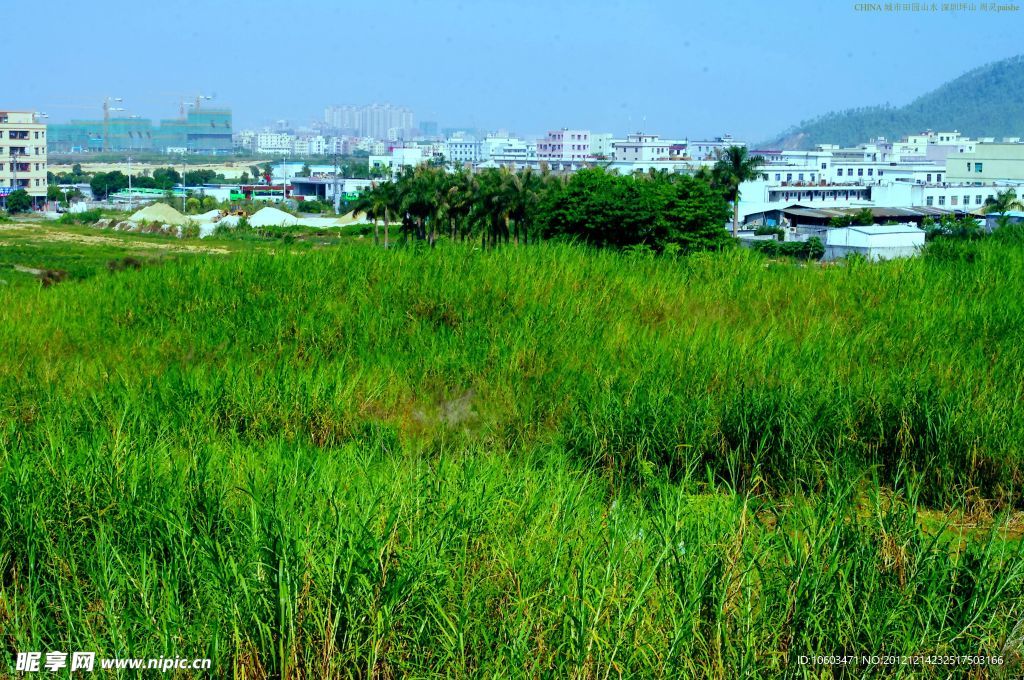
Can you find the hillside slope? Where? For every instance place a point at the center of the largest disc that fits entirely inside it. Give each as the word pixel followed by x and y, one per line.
pixel 987 101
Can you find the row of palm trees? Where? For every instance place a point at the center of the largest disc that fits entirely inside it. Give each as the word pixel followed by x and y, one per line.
pixel 496 205
pixel 499 205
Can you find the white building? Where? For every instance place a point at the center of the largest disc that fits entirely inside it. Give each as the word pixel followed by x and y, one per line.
pixel 709 149
pixel 459 151
pixel 601 144
pixel 315 145
pixel 23 150
pixel 565 146
pixel 876 242
pixel 641 148
pixel 244 140
pixel 274 143
pixel 397 159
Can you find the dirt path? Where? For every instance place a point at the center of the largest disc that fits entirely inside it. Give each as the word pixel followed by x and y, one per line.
pixel 43 234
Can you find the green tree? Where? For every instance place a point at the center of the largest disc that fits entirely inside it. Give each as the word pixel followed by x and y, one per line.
pixel 653 210
pixel 166 178
pixel 734 167
pixel 372 204
pixel 105 183
pixel 1003 203
pixel 19 201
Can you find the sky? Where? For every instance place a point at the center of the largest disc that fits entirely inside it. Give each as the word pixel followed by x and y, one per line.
pixel 679 68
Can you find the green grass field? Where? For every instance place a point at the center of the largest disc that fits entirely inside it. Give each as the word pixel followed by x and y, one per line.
pixel 309 460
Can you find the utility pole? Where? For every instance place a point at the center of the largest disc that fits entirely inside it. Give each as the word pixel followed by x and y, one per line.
pixel 337 190
pixel 182 184
pixel 129 183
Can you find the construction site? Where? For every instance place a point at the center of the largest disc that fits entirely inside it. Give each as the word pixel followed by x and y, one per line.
pixel 197 129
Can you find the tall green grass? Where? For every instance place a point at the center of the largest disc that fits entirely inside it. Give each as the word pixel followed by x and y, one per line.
pixel 532 461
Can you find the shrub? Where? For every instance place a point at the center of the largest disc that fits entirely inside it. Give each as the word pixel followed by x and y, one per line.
pixel 811 249
pixel 19 201
pixel 766 230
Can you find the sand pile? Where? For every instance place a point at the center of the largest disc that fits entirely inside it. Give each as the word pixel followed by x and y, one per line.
pixel 159 212
pixel 209 216
pixel 272 217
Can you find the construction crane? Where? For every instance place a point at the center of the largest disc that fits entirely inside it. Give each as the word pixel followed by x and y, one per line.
pixel 196 103
pixel 107 108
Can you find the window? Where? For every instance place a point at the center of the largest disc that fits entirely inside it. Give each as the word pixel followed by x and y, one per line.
pixel 952 200
pixel 928 200
pixel 938 178
pixel 881 172
pixel 778 176
pixel 789 177
pixel 860 172
pixel 967 200
pixel 977 200
pixel 928 177
pixel 839 172
pixel 978 167
pixel 871 171
pixel 942 200
pixel 824 166
pixel 800 177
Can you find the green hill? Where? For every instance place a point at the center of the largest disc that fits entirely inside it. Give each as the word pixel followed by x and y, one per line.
pixel 985 102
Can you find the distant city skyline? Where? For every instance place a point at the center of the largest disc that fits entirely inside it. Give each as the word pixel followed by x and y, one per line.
pixel 749 69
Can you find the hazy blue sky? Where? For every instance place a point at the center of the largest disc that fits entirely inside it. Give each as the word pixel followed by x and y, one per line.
pixel 675 67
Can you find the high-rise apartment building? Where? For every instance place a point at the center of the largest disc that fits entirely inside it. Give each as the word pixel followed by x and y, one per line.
pixel 22 155
pixel 379 121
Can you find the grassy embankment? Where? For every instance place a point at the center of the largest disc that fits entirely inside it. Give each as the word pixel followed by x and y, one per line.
pixel 310 463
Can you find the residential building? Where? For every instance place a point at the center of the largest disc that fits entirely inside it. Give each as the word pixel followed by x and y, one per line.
pixel 987 162
pixel 460 150
pixel 565 146
pixel 315 145
pixel 601 145
pixel 398 158
pixel 641 148
pixel 709 149
pixel 274 143
pixel 22 155
pixel 375 120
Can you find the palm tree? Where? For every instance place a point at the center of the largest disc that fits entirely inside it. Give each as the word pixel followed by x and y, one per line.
pixel 460 195
pixel 524 198
pixel 734 167
pixel 1003 203
pixel 372 204
pixel 389 198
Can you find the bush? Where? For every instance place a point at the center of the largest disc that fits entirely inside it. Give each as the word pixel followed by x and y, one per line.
pixel 811 249
pixel 766 230
pixel 19 201
pixel 86 217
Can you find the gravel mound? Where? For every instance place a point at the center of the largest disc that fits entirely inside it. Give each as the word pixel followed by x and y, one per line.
pixel 272 217
pixel 159 212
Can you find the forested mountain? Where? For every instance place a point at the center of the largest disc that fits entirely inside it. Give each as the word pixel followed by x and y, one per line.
pixel 985 102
